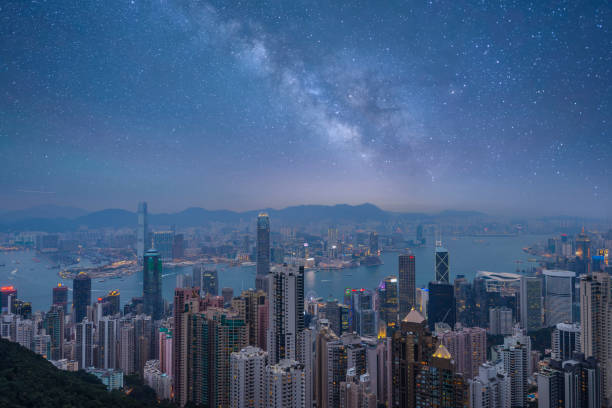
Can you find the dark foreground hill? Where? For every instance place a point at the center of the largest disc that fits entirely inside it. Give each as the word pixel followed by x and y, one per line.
pixel 28 380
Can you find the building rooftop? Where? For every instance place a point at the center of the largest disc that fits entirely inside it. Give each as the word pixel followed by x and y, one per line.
pixel 442 352
pixel 414 316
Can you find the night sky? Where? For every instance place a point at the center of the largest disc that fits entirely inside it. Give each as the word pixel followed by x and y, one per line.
pixel 499 106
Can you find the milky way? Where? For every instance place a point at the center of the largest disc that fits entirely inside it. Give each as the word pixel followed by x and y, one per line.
pixel 495 106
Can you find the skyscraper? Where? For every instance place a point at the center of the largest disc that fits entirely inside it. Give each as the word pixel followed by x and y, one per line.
pixel 389 302
pixel 186 302
pixel 81 296
pixel 286 317
pixel 263 251
pixel 583 383
pixel 531 303
pixel 442 266
pixel 248 378
pixel 163 241
pixel 490 389
pixel 515 357
pixel 468 346
pixel 60 296
pixel 84 344
pixel 407 285
pixel 209 283
pixel 54 326
pixel 441 307
pixel 107 333
pixel 152 284
pixel 142 232
pixel 558 298
pixel 583 253
pixel 596 326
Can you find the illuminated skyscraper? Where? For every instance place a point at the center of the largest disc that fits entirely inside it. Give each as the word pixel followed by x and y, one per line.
pixel 389 302
pixel 5 293
pixel 263 250
pixel 152 284
pixel 583 253
pixel 558 298
pixel 142 232
pixel 442 266
pixel 60 296
pixel 407 286
pixel 81 296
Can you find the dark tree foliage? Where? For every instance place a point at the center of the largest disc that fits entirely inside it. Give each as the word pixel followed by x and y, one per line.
pixel 28 380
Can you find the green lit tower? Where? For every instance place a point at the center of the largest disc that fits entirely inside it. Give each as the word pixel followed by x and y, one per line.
pixel 152 284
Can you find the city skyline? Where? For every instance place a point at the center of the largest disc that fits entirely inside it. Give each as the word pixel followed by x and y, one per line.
pixel 501 108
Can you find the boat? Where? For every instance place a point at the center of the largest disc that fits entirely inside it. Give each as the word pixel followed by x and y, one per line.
pixel 102 280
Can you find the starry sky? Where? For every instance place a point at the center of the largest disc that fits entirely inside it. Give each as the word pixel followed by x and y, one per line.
pixel 498 106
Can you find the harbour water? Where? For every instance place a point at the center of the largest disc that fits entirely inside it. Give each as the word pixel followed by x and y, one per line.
pixel 30 273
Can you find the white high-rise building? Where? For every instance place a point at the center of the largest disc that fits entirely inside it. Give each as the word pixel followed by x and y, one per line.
pixel 516 360
pixel 286 312
pixel 285 384
pixel 248 378
pixel 107 342
pixel 565 341
pixel 25 333
pixel 558 297
pixel 491 388
pixel 84 343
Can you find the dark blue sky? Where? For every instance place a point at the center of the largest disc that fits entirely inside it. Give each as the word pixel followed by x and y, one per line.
pixel 500 106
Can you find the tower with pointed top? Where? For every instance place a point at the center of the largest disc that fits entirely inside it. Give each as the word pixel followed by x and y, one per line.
pixel 442 266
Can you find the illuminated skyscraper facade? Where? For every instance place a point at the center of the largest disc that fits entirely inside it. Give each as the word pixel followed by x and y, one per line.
pixel 152 284
pixel 442 266
pixel 81 296
pixel 407 285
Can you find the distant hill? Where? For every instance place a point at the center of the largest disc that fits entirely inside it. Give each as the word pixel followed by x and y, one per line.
pixel 28 380
pixel 195 216
pixel 42 212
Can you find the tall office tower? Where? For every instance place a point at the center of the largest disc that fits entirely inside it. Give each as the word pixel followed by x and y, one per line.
pixel 152 285
pixel 163 241
pixel 531 303
pixel 389 302
pixel 490 388
pixel 551 385
pixel 263 251
pixel 374 250
pixel 441 307
pixel 186 302
pixel 469 348
pixel 178 247
pixel 407 285
pixel 515 357
pixel 127 348
pixel 324 366
pixel 247 377
pixel 420 235
pixel 286 313
pixel 81 296
pixel 364 320
pixel 113 298
pixel 565 341
pixel 583 383
pixel 5 293
pixel 464 299
pixel 285 385
pixel 422 300
pixel 107 333
pixel 331 311
pixel 558 297
pixel 355 391
pixel 500 321
pixel 60 296
pixel 332 236
pixel 411 346
pixel 84 343
pixel 442 266
pixel 209 284
pixel 54 326
pixel 583 253
pixel 143 231
pixel 596 326
pixel 196 276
